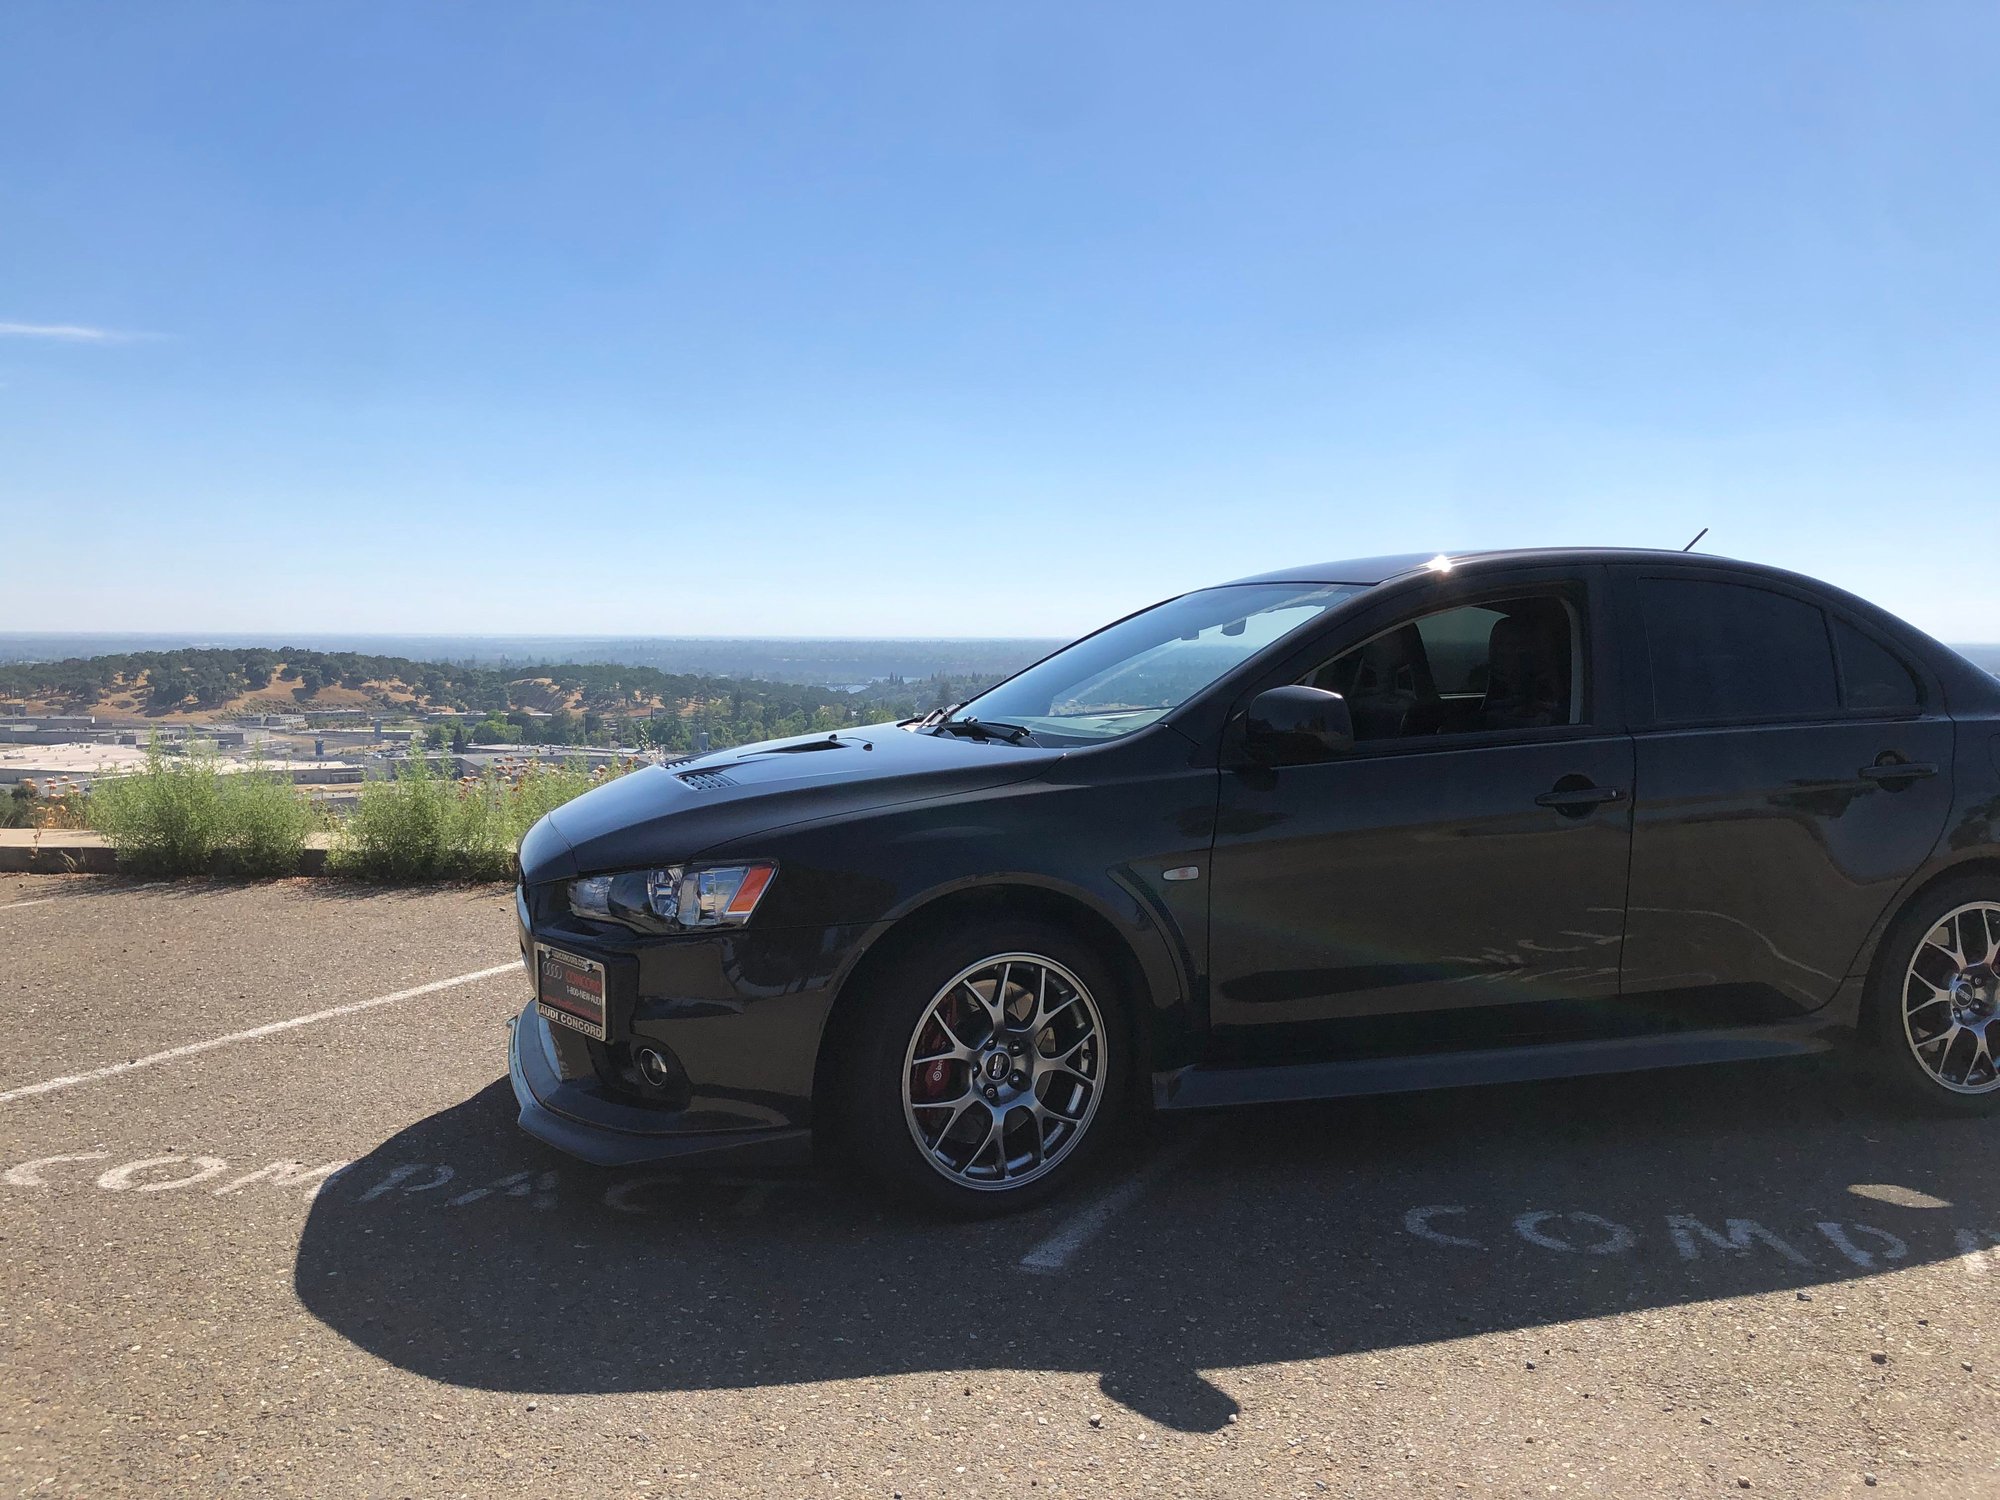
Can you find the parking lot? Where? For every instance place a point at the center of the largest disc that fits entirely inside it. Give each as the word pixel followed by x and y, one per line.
pixel 318 1258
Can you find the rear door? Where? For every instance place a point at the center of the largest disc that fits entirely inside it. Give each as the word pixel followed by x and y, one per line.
pixel 1457 880
pixel 1793 770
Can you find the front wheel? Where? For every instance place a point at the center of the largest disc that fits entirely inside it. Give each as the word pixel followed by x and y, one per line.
pixel 987 1068
pixel 1934 1006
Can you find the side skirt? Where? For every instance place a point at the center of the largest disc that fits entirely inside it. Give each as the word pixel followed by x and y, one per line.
pixel 1287 1083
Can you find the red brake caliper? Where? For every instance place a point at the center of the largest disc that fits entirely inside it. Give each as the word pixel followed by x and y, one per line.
pixel 933 1079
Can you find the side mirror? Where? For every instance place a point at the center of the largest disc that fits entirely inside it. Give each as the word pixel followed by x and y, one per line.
pixel 1287 725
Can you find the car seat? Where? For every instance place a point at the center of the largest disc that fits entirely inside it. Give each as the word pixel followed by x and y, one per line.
pixel 1528 668
pixel 1388 686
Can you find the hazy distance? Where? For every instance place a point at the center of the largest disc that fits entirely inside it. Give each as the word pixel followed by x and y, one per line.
pixel 821 662
pixel 828 662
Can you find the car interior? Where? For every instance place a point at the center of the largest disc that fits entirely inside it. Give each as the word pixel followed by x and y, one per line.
pixel 1506 664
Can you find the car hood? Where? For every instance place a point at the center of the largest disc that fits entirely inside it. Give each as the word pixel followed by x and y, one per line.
pixel 665 814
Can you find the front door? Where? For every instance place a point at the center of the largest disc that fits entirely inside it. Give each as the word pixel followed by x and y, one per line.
pixel 1457 880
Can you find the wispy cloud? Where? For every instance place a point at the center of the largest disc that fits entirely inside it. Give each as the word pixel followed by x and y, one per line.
pixel 64 333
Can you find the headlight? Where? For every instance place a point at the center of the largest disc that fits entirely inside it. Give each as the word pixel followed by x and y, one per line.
pixel 673 898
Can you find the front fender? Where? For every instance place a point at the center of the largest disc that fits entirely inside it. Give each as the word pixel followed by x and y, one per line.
pixel 1097 849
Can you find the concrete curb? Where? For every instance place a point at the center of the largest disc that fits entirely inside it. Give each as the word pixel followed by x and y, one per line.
pixel 61 851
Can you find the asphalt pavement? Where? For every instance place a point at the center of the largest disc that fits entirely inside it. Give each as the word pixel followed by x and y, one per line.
pixel 268 1227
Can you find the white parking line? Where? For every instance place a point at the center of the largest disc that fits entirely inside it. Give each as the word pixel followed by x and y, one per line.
pixel 1054 1253
pixel 38 901
pixel 50 1085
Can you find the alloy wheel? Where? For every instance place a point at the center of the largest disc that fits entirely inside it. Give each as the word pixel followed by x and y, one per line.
pixel 1951 1000
pixel 1004 1071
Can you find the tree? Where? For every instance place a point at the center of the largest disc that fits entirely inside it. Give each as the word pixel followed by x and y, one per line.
pixel 495 732
pixel 168 687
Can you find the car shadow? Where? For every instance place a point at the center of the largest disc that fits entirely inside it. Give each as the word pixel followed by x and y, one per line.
pixel 463 1251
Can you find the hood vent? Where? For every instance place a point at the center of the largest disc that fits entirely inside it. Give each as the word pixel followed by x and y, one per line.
pixel 706 781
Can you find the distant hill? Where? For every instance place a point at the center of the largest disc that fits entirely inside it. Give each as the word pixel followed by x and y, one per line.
pixel 227 682
pixel 825 663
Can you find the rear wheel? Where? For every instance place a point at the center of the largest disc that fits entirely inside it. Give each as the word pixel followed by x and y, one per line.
pixel 986 1070
pixel 1934 1005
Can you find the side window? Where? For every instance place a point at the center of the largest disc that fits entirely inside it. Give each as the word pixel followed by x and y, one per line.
pixel 1502 664
pixel 1870 677
pixel 1731 651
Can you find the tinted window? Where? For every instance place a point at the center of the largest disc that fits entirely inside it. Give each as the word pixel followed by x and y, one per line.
pixel 1728 651
pixel 1504 664
pixel 1871 676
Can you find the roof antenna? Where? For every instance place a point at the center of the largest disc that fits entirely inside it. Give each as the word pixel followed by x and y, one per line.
pixel 1697 537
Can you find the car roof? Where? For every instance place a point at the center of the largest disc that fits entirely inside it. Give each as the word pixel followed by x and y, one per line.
pixel 1966 684
pixel 1373 570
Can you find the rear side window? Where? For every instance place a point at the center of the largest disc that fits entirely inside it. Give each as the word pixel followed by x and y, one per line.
pixel 1729 651
pixel 1870 676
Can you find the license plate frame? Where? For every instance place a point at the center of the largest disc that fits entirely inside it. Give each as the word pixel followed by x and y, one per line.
pixel 564 983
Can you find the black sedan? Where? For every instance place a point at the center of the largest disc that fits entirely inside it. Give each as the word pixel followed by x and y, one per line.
pixel 1372 825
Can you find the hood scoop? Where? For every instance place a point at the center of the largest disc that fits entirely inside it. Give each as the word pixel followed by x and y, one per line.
pixel 705 781
pixel 807 747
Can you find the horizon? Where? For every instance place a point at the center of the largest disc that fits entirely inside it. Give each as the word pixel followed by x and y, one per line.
pixel 274 640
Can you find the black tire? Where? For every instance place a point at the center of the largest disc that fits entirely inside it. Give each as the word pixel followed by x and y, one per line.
pixel 874 1091
pixel 1891 1043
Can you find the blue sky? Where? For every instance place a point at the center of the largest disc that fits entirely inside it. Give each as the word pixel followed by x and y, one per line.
pixel 976 320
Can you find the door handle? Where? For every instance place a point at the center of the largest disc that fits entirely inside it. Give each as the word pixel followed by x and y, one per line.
pixel 1567 798
pixel 1898 770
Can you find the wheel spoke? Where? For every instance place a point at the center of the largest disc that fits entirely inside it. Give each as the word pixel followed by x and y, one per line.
pixel 1944 1053
pixel 955 1033
pixel 1962 927
pixel 958 1107
pixel 1947 1037
pixel 1044 1117
pixel 991 1138
pixel 1948 950
pixel 1061 1059
pixel 1055 1113
pixel 1063 1072
pixel 989 1008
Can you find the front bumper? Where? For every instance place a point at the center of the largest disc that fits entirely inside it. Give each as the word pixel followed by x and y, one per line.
pixel 738 1013
pixel 575 1117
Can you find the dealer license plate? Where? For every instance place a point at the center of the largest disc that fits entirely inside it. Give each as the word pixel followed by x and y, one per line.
pixel 569 990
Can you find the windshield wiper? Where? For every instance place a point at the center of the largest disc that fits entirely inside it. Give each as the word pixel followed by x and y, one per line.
pixel 925 721
pixel 986 729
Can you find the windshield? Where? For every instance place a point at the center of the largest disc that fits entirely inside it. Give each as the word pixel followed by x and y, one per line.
pixel 1130 674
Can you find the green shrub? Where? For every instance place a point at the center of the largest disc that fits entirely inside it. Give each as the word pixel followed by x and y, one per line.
pixel 267 819
pixel 404 830
pixel 426 826
pixel 17 808
pixel 185 815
